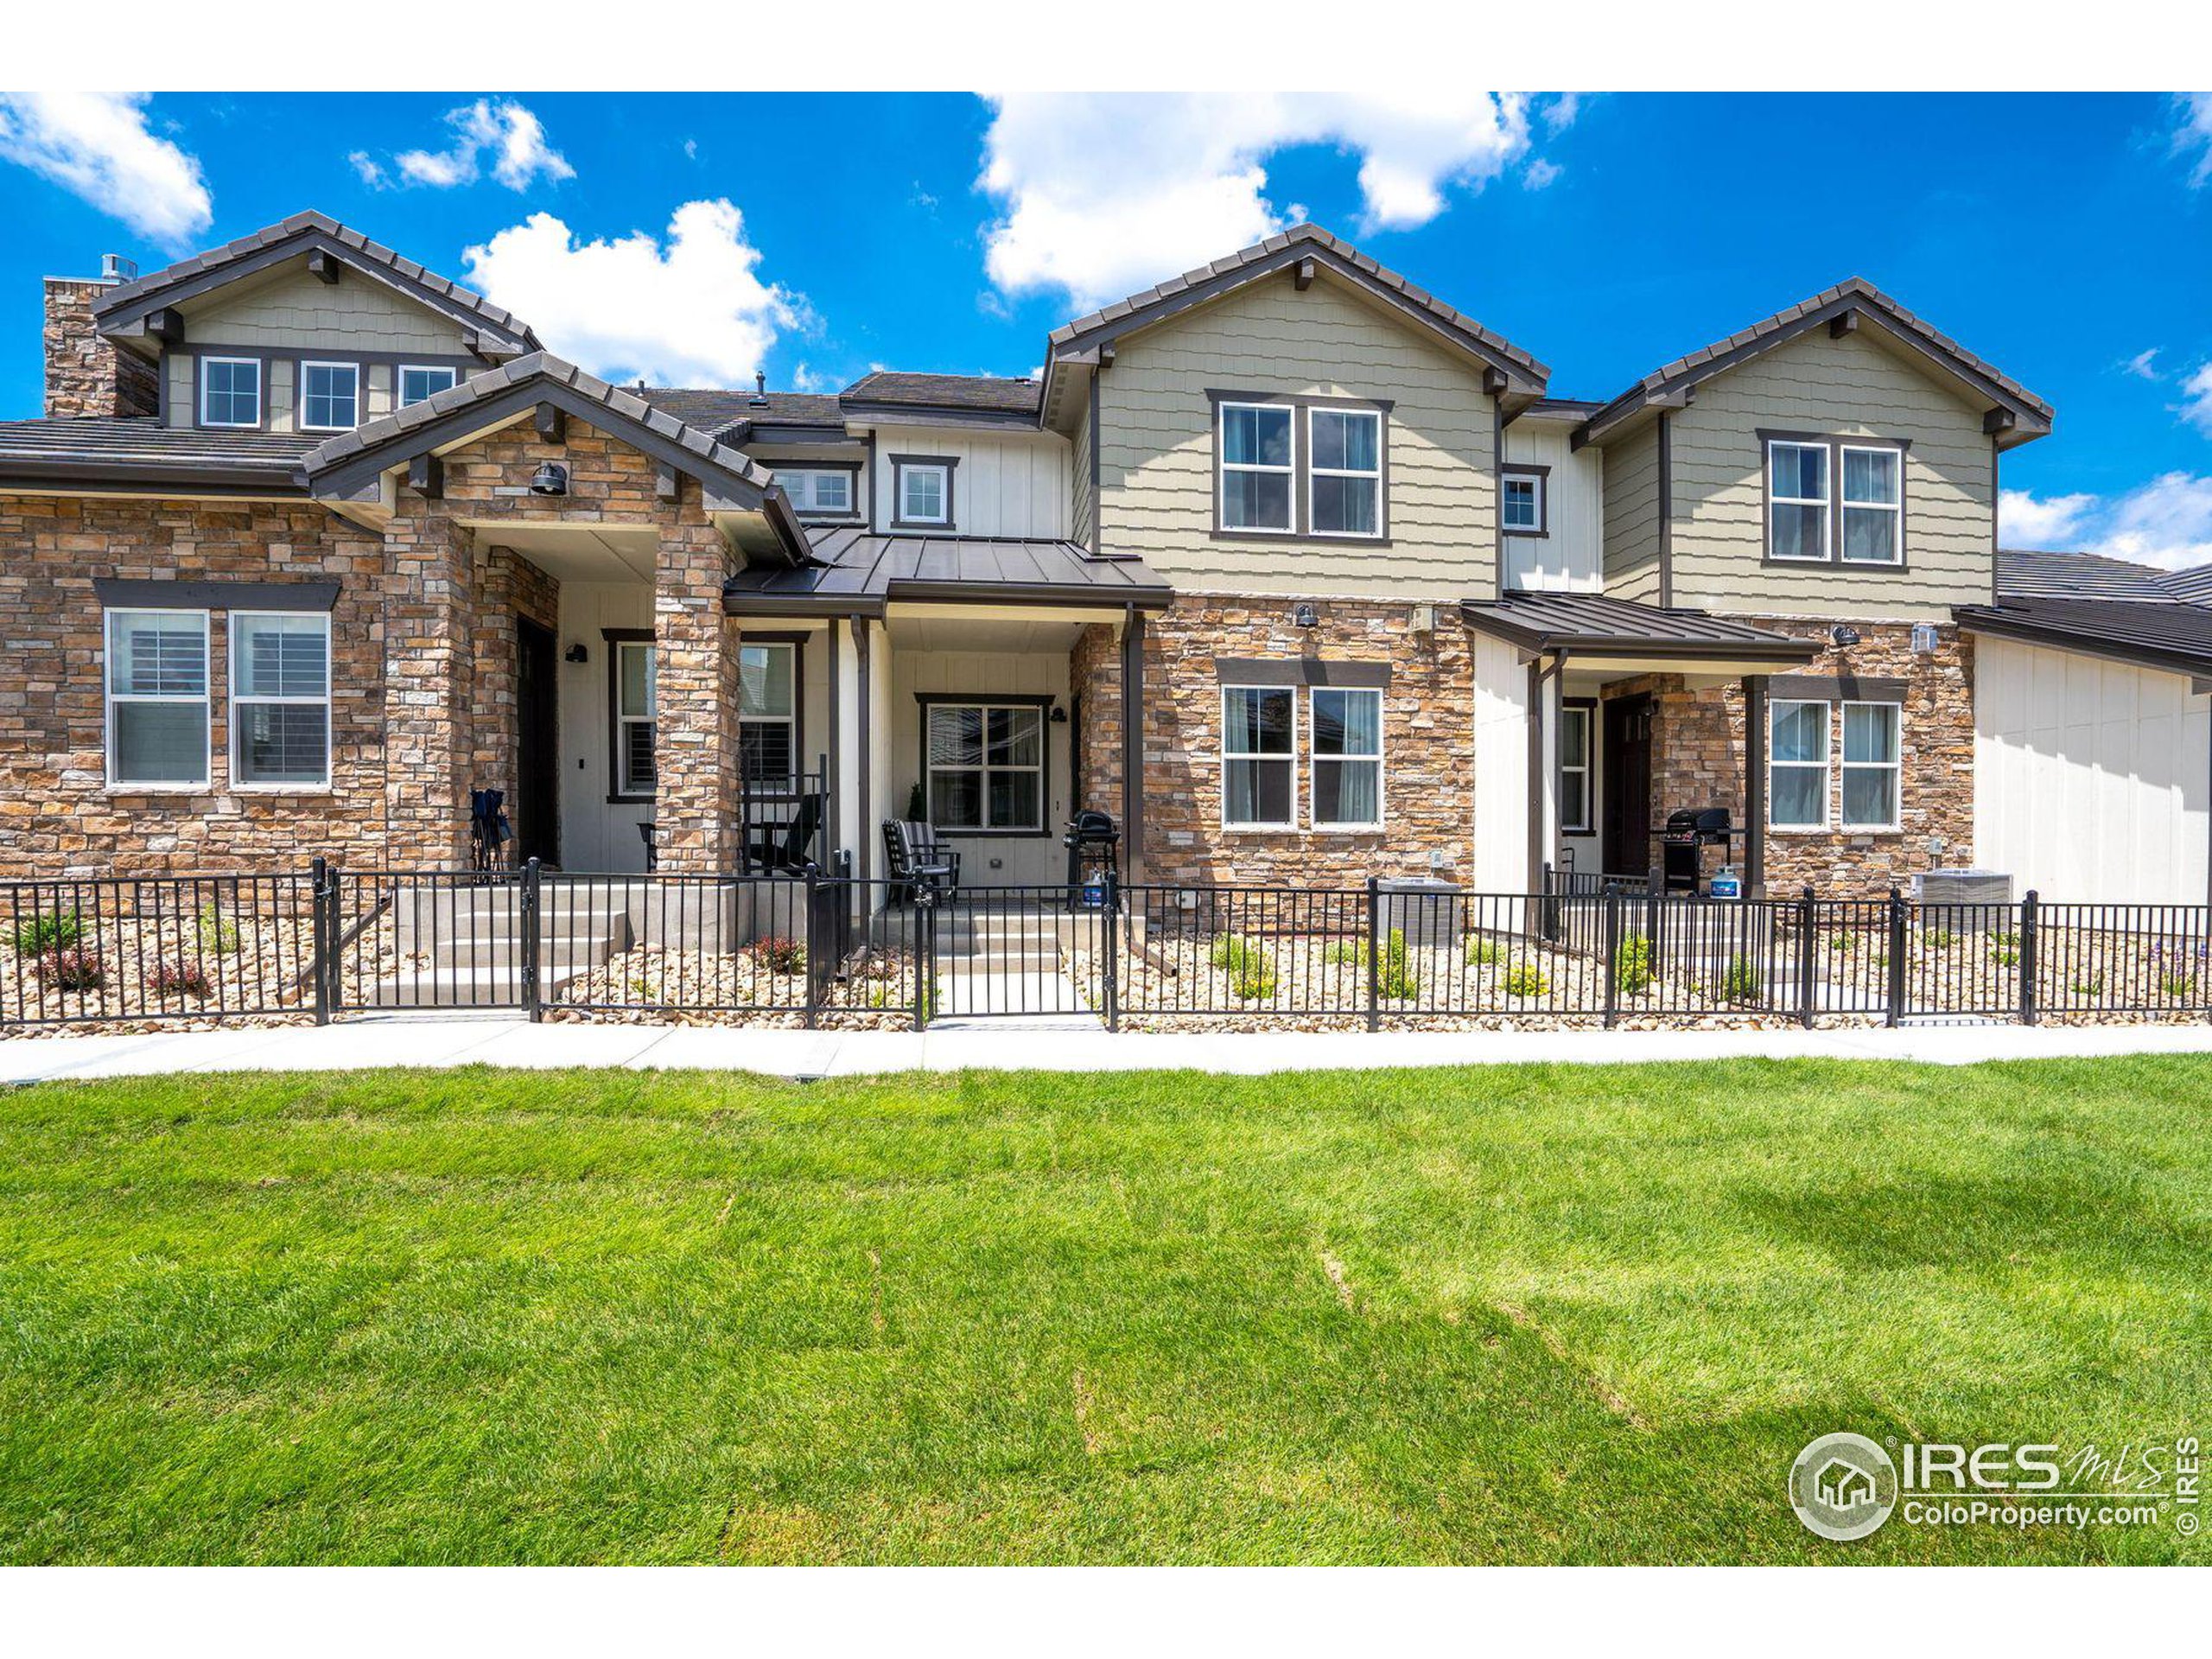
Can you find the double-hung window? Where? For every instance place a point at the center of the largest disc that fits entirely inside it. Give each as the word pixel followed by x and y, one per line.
pixel 1574 769
pixel 1259 749
pixel 1797 765
pixel 1257 441
pixel 1873 504
pixel 1524 504
pixel 330 396
pixel 419 382
pixel 157 709
pixel 1347 783
pixel 1345 459
pixel 1870 766
pixel 826 492
pixel 280 699
pixel 1797 499
pixel 924 491
pixel 986 765
pixel 636 695
pixel 767 713
pixel 230 391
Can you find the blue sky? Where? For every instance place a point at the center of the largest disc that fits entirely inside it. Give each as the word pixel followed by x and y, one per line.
pixel 2064 237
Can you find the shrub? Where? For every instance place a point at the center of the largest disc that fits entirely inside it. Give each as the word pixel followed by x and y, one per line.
pixel 69 969
pixel 1843 942
pixel 779 955
pixel 1526 979
pixel 1232 952
pixel 1481 951
pixel 1741 983
pixel 1632 965
pixel 1254 978
pixel 181 979
pixel 2178 986
pixel 2089 985
pixel 1939 938
pixel 51 930
pixel 1350 953
pixel 217 936
pixel 2007 940
pixel 2005 956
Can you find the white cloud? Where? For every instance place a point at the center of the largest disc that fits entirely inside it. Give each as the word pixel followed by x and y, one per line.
pixel 2144 364
pixel 1540 173
pixel 2193 134
pixel 514 137
pixel 2166 522
pixel 807 377
pixel 367 168
pixel 1102 194
pixel 692 312
pixel 2197 399
pixel 96 145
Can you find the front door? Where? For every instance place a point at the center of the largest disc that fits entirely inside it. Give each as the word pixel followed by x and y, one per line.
pixel 537 761
pixel 1628 787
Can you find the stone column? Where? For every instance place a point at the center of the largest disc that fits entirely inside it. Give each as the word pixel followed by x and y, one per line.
pixel 697 805
pixel 429 675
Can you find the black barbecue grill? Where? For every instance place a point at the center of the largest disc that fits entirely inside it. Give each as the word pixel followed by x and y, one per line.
pixel 1092 841
pixel 1688 833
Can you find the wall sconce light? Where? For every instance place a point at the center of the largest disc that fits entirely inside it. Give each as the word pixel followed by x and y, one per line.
pixel 1842 634
pixel 576 653
pixel 1305 616
pixel 551 478
pixel 1924 638
pixel 1059 716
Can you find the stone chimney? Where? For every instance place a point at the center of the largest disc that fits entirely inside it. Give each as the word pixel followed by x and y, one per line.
pixel 85 374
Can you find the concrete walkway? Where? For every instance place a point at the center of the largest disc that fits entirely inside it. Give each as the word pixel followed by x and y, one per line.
pixel 449 1040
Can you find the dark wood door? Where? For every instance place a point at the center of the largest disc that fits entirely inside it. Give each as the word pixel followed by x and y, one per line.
pixel 1627 807
pixel 537 760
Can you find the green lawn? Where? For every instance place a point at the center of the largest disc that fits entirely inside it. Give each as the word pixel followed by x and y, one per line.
pixel 1526 1314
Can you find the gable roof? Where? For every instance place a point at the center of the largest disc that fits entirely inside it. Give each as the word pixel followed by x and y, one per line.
pixel 1523 373
pixel 341 465
pixel 724 412
pixel 124 307
pixel 2176 636
pixel 981 394
pixel 2035 574
pixel 2028 416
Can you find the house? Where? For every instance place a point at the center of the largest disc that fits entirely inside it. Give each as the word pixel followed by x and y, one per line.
pixel 1297 571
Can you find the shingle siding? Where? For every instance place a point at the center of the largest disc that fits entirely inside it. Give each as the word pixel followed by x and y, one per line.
pixel 1632 550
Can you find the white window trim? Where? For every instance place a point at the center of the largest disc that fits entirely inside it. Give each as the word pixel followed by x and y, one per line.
pixel 260 390
pixel 1845 505
pixel 1265 826
pixel 1826 503
pixel 1314 472
pixel 845 475
pixel 1587 751
pixel 1316 760
pixel 623 789
pixel 790 720
pixel 110 697
pixel 1535 483
pixel 984 768
pixel 1896 768
pixel 903 470
pixel 1826 766
pixel 1224 466
pixel 399 385
pixel 240 702
pixel 300 394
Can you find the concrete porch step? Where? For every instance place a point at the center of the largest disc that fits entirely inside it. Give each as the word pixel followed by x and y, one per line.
pixel 587 952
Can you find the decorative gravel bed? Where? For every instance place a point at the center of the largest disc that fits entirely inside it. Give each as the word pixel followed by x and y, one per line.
pixel 765 985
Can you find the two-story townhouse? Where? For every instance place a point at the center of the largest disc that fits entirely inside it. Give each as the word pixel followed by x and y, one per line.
pixel 313 542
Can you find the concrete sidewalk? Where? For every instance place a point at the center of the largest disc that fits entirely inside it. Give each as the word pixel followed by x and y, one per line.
pixel 438 1040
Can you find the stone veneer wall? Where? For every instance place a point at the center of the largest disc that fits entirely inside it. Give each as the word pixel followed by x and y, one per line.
pixel 56 814
pixel 1095 676
pixel 85 374
pixel 1697 759
pixel 1428 741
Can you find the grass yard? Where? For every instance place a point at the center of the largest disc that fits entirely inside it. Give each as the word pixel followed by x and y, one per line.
pixel 1528 1314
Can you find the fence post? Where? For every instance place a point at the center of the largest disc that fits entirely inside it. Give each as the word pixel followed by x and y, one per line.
pixel 2030 941
pixel 1112 968
pixel 924 901
pixel 529 941
pixel 1896 998
pixel 320 968
pixel 333 961
pixel 1807 945
pixel 1612 954
pixel 1550 925
pixel 1374 954
pixel 813 955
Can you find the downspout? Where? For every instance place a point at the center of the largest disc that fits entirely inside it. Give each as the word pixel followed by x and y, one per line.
pixel 1666 512
pixel 833 785
pixel 1755 786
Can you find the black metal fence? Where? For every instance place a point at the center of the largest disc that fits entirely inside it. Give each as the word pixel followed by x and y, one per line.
pixel 812 950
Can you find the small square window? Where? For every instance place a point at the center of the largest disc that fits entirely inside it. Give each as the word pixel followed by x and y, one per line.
pixel 418 383
pixel 230 391
pixel 825 491
pixel 925 492
pixel 1524 504
pixel 330 396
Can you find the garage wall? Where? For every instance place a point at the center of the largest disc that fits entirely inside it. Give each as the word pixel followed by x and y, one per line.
pixel 2090 776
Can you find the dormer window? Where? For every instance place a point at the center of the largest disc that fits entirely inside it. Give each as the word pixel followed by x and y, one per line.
pixel 420 382
pixel 230 391
pixel 819 492
pixel 1524 502
pixel 921 492
pixel 330 396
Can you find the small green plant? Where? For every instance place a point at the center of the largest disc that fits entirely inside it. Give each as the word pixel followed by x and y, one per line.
pixel 50 930
pixel 779 955
pixel 218 937
pixel 1939 938
pixel 1632 972
pixel 181 979
pixel 1741 983
pixel 2178 986
pixel 2089 985
pixel 1252 977
pixel 1232 951
pixel 2004 956
pixel 1348 953
pixel 69 969
pixel 1526 979
pixel 643 989
pixel 1481 953
pixel 2008 940
pixel 1843 943
pixel 1397 980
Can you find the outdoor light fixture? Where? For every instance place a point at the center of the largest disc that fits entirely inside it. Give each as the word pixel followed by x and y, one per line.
pixel 1923 639
pixel 1307 617
pixel 1059 716
pixel 576 653
pixel 552 479
pixel 1843 635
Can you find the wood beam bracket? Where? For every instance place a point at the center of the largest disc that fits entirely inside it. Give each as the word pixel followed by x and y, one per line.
pixel 323 266
pixel 666 482
pixel 1844 322
pixel 426 475
pixel 1494 382
pixel 1301 274
pixel 551 422
pixel 165 325
pixel 1998 420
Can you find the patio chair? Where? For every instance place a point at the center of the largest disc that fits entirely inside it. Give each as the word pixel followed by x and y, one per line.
pixel 488 828
pixel 783 849
pixel 645 833
pixel 913 854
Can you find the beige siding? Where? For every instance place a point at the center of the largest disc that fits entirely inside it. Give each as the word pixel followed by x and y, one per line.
pixel 1084 514
pixel 355 313
pixel 177 372
pixel 1632 515
pixel 1157 446
pixel 1014 484
pixel 1848 387
pixel 1020 859
pixel 1568 558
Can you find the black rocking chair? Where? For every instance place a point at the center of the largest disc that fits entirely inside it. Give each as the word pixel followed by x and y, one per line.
pixel 488 828
pixel 783 849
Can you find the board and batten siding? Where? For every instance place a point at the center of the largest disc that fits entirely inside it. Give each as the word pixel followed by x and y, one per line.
pixel 1848 387
pixel 1014 484
pixel 1503 734
pixel 1023 860
pixel 1156 487
pixel 1632 515
pixel 1570 558
pixel 2091 779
